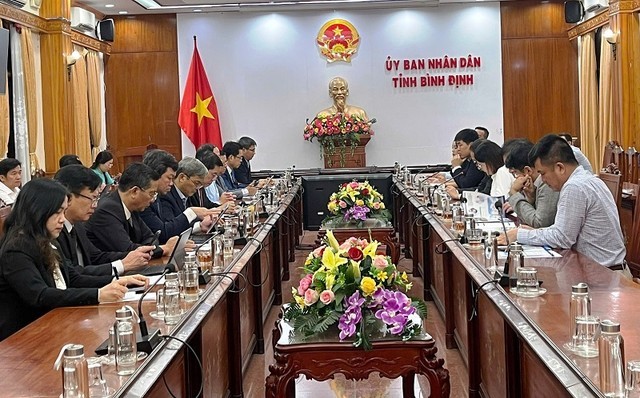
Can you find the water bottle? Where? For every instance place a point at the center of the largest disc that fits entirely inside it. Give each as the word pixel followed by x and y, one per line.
pixel 125 344
pixel 611 361
pixel 396 169
pixel 516 260
pixel 172 311
pixel 580 305
pixel 75 371
pixel 190 261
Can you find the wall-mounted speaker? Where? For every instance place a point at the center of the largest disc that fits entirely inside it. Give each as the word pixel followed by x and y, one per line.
pixel 105 30
pixel 573 11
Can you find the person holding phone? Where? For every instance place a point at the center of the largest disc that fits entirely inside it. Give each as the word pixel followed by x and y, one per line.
pixel 34 278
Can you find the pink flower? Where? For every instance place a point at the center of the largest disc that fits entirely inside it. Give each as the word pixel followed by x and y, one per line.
pixel 318 251
pixel 304 284
pixel 327 297
pixel 343 204
pixel 354 185
pixel 380 262
pixel 376 205
pixel 310 297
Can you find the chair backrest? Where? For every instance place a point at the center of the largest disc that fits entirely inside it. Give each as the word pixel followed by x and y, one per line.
pixel 633 250
pixel 614 183
pixel 631 161
pixel 608 158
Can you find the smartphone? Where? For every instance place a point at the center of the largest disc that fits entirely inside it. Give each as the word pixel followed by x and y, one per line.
pixel 222 213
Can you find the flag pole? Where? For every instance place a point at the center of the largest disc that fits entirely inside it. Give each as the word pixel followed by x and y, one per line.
pixel 194 41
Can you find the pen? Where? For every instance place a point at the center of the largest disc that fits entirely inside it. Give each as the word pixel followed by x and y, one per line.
pixel 115 273
pixel 548 250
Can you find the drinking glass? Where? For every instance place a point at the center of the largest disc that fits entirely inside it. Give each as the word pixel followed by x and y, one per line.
pixel 159 304
pixel 527 283
pixel 228 246
pixel 204 257
pixel 97 384
pixel 633 379
pixel 458 224
pixel 474 238
pixel 586 336
pixel 190 284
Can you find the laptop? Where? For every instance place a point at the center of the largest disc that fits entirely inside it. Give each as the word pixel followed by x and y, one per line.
pixel 176 258
pixel 201 238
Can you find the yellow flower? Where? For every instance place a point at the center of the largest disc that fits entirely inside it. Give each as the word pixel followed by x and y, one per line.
pixel 404 277
pixel 332 206
pixel 333 242
pixel 371 249
pixel 329 281
pixel 381 276
pixel 330 260
pixel 368 286
pixel 381 205
pixel 359 202
pixel 300 301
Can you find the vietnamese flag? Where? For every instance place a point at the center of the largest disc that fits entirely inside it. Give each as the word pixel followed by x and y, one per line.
pixel 198 116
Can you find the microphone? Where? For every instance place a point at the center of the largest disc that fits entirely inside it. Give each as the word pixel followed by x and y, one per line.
pixel 372 121
pixel 441 184
pixel 504 275
pixel 146 341
pixel 413 179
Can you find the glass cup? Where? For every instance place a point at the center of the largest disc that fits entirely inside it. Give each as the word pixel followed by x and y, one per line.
pixel 228 246
pixel 204 257
pixel 474 238
pixel 190 283
pixel 527 283
pixel 218 254
pixel 585 339
pixel 458 224
pixel 111 347
pixel 97 384
pixel 633 379
pixel 160 304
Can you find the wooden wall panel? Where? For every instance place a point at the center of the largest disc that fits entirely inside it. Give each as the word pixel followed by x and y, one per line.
pixel 539 71
pixel 142 95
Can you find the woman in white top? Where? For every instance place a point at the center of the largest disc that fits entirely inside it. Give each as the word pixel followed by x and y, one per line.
pixel 10 180
pixel 488 155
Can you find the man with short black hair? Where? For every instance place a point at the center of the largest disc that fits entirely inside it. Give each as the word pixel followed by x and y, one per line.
pixel 233 153
pixel 116 224
pixel 534 202
pixel 67 160
pixel 73 243
pixel 243 172
pixel 466 174
pixel 170 214
pixel 209 195
pixel 10 180
pixel 165 165
pixel 587 216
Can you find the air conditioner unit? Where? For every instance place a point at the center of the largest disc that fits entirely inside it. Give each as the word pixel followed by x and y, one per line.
pixel 83 20
pixel 595 5
pixel 15 3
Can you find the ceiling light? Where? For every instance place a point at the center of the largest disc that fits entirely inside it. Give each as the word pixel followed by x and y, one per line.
pixel 197 10
pixel 123 12
pixel 109 5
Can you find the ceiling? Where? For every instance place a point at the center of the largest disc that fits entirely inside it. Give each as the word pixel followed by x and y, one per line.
pixel 134 7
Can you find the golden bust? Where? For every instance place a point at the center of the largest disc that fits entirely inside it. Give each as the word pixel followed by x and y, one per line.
pixel 338 91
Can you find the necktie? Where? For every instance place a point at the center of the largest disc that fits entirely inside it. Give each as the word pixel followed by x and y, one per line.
pixel 233 178
pixel 73 239
pixel 184 203
pixel 201 197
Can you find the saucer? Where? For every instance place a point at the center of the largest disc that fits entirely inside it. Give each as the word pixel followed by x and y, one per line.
pixel 541 291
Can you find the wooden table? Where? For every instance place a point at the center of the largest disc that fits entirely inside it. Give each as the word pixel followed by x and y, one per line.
pixel 322 357
pixel 371 229
pixel 513 346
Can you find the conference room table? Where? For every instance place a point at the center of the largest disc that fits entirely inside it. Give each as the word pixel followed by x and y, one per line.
pixel 224 327
pixel 512 346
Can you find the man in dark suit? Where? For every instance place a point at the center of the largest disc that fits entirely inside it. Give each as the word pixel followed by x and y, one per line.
pixel 229 183
pixel 210 195
pixel 171 215
pixel 243 172
pixel 116 224
pixel 73 243
pixel 466 174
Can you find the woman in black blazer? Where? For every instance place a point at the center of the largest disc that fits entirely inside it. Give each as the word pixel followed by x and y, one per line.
pixel 33 279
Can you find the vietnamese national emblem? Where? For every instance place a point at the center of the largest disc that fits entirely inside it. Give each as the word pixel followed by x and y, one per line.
pixel 338 40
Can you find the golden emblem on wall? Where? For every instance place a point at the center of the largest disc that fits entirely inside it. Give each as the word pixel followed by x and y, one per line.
pixel 338 40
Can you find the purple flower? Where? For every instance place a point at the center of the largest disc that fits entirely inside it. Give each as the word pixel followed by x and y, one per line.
pixel 352 316
pixel 395 311
pixel 357 213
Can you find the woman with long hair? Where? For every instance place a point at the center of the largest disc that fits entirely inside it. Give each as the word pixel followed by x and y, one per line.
pixel 102 165
pixel 33 277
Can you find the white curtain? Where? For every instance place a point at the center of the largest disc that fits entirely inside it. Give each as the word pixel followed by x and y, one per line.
pixel 19 106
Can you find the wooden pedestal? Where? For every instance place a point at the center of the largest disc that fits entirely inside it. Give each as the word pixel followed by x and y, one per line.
pixel 357 159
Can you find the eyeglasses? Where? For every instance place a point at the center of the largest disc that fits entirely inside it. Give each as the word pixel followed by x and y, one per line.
pixel 198 184
pixel 153 196
pixel 94 201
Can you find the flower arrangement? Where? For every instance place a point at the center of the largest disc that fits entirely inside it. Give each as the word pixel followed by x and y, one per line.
pixel 349 284
pixel 337 131
pixel 357 201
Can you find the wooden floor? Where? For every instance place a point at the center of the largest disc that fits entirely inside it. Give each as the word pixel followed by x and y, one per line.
pixel 374 387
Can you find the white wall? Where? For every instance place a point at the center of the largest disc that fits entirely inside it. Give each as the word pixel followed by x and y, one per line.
pixel 268 76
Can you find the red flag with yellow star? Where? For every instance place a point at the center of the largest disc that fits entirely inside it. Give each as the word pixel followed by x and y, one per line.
pixel 198 116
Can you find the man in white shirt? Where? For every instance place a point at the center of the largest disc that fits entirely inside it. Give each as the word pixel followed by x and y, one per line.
pixel 10 180
pixel 587 217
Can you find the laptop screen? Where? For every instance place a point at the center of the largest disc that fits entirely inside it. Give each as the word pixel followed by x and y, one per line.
pixel 178 253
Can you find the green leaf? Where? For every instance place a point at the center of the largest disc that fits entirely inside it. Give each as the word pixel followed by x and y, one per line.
pixel 420 306
pixel 326 321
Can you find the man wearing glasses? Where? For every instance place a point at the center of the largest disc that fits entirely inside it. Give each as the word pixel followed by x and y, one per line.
pixel 170 214
pixel 117 225
pixel 73 243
